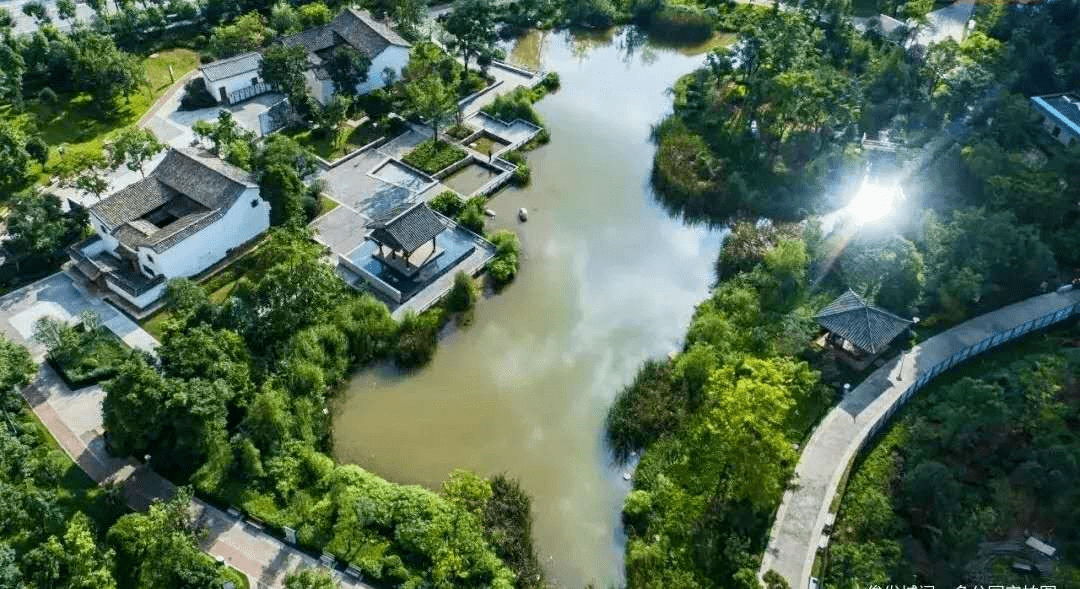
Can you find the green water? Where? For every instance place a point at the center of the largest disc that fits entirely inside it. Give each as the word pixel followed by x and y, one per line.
pixel 607 280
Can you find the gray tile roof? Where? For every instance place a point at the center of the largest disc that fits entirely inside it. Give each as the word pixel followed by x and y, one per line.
pixel 409 230
pixel 233 66
pixel 352 27
pixel 867 327
pixel 194 188
pixel 1063 107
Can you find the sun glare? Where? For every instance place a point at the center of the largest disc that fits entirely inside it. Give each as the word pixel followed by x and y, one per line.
pixel 872 202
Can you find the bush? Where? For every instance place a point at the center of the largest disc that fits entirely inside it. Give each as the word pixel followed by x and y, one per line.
pixel 463 295
pixel 472 217
pixel 432 155
pixel 448 203
pixel 196 96
pixel 522 175
pixel 417 338
pixel 82 357
pixel 515 105
pixel 459 131
pixel 644 410
pixel 504 266
pixel 551 82
pixel 38 149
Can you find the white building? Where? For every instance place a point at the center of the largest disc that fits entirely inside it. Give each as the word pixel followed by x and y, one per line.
pixel 234 79
pixel 185 216
pixel 1060 116
pixel 357 29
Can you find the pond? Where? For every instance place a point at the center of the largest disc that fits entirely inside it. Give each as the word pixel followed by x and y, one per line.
pixel 471 178
pixel 607 280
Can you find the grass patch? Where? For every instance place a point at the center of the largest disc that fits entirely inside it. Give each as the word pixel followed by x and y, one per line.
pixel 94 360
pixel 326 204
pixel 434 155
pixel 70 121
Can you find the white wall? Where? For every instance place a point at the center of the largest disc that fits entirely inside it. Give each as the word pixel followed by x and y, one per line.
pixel 99 228
pixel 142 300
pixel 198 252
pixel 231 84
pixel 393 57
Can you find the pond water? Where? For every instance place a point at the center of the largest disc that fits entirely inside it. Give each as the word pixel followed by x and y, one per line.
pixel 469 179
pixel 607 280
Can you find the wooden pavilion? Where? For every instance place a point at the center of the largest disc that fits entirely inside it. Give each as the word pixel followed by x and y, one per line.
pixel 406 238
pixel 858 329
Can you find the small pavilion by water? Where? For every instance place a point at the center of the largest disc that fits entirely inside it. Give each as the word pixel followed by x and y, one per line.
pixel 859 330
pixel 406 239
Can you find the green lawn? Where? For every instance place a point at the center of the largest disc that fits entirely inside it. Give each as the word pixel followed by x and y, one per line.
pixel 71 122
pixel 326 204
pixel 432 156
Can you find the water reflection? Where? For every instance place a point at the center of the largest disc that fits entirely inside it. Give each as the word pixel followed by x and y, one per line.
pixel 608 279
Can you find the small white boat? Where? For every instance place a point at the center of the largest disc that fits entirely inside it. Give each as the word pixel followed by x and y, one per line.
pixel 523 215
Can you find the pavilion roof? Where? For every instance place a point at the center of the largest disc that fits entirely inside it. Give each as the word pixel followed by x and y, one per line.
pixel 408 229
pixel 867 327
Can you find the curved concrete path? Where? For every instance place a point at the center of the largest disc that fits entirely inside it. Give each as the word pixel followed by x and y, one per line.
pixel 797 530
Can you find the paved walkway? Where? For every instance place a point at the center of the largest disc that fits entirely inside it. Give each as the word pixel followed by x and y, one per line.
pixel 74 419
pixel 797 530
pixel 59 296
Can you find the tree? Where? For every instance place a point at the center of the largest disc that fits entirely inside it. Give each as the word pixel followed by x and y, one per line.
pixel 283 18
pixel 287 194
pixel 432 101
pixel 310 579
pixel 348 68
pixel 84 171
pixel 132 147
pixel 283 67
pixel 333 115
pixel 65 9
pixel 463 295
pixel 73 562
pixel 14 159
pixel 38 226
pixel 314 14
pixel 246 33
pixel 37 11
pixel 105 71
pixel 472 25
pixel 159 548
pixel 16 370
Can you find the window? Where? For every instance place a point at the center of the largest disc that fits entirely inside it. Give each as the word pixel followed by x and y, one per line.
pixel 150 258
pixel 1056 131
pixel 254 202
pixel 147 271
pixel 254 81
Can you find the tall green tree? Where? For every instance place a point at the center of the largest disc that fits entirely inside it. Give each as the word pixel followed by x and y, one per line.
pixel 133 147
pixel 14 159
pixel 38 226
pixel 471 23
pixel 247 33
pixel 283 67
pixel 433 101
pixel 348 68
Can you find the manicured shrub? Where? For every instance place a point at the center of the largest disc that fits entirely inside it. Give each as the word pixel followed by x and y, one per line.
pixel 551 81
pixel 448 203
